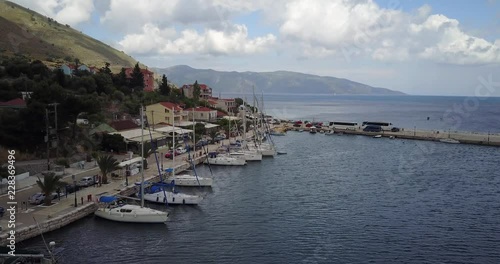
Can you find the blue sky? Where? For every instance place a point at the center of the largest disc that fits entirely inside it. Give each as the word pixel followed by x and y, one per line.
pixel 419 47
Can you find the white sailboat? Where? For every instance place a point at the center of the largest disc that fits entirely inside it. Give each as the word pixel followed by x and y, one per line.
pixel 159 195
pixel 214 158
pixel 189 180
pixel 112 210
pixel 244 152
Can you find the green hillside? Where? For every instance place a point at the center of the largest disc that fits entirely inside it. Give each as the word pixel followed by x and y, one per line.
pixel 28 33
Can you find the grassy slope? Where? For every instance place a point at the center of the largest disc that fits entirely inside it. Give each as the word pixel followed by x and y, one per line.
pixel 42 39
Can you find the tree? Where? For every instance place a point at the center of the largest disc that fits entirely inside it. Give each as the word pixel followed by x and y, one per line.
pixel 113 142
pixel 164 88
pixel 106 69
pixel 107 164
pixel 137 80
pixel 196 91
pixel 50 184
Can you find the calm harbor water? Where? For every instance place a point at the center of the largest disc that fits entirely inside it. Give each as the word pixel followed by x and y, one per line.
pixel 331 199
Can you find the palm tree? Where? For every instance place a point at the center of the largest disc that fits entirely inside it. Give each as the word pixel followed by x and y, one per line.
pixel 50 184
pixel 107 164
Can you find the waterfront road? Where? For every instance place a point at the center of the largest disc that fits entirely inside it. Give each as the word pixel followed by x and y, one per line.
pixel 26 213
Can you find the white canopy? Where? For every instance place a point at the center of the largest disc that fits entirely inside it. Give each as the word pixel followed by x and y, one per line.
pixel 135 135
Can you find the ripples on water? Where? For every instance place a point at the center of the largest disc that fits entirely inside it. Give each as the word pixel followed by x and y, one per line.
pixel 331 199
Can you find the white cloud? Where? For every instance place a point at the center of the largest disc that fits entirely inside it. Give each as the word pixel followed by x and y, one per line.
pixel 70 12
pixel 354 28
pixel 233 40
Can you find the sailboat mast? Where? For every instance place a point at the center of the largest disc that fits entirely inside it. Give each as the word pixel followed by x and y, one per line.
pixel 142 156
pixel 173 141
pixel 194 137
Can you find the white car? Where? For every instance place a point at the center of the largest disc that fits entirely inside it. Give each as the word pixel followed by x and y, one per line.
pixel 181 150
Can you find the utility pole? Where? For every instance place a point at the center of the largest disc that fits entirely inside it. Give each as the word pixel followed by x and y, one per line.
pixel 153 117
pixel 55 121
pixel 47 137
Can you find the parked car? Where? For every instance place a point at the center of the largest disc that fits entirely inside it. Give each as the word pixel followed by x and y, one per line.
pixel 39 198
pixel 86 181
pixel 395 129
pixel 70 188
pixel 181 150
pixel 169 154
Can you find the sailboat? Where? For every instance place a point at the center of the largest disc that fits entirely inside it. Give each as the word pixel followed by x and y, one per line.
pixel 111 209
pixel 244 152
pixel 158 194
pixel 188 180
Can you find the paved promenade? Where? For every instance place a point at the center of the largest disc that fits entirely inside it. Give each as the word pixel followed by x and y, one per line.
pixel 26 213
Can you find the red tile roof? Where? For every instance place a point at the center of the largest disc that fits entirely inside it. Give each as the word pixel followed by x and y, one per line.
pixel 170 105
pixel 220 114
pixel 123 125
pixel 200 109
pixel 212 102
pixel 18 102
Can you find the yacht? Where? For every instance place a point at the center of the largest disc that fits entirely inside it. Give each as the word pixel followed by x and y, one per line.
pixel 214 158
pixel 157 194
pixel 112 210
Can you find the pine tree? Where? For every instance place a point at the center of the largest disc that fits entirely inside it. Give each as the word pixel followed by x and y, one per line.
pixel 164 88
pixel 137 80
pixel 196 91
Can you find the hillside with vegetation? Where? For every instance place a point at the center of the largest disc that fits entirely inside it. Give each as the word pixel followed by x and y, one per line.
pixel 96 97
pixel 27 33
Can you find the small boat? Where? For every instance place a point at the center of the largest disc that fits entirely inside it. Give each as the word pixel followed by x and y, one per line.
pixel 190 180
pixel 330 133
pixel 377 136
pixel 392 137
pixel 281 153
pixel 301 130
pixel 449 140
pixel 313 130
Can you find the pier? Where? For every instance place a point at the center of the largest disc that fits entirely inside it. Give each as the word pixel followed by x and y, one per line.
pixel 475 138
pixel 33 220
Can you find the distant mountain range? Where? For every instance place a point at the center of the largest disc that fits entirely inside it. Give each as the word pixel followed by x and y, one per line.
pixel 269 82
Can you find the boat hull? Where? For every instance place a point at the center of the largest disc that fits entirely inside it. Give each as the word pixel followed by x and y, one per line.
pixel 225 161
pixel 191 181
pixel 172 198
pixel 247 156
pixel 132 214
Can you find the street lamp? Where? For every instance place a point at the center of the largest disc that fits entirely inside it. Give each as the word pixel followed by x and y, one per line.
pixel 74 183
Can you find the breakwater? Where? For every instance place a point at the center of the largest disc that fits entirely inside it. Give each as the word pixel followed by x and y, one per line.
pixel 476 138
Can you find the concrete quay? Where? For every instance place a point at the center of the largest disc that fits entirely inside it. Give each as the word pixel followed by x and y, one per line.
pixel 31 221
pixel 475 138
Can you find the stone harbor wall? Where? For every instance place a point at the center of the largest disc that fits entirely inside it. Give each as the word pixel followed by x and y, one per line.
pixel 50 224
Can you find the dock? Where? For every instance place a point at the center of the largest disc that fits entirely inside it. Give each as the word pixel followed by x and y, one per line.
pixel 475 138
pixel 34 220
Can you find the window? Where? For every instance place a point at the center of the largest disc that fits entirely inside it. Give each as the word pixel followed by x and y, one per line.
pixel 165 110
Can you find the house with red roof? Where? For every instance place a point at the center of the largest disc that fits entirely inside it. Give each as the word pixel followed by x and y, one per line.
pixel 166 112
pixel 149 81
pixel 17 103
pixel 121 125
pixel 202 113
pixel 226 104
pixel 205 91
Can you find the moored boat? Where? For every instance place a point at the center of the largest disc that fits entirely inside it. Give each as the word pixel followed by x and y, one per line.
pixel 112 210
pixel 449 140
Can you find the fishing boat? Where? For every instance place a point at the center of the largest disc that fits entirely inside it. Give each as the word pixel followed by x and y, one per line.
pixel 110 208
pixel 449 141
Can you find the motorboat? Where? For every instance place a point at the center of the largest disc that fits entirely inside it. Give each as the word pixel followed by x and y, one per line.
pixel 157 194
pixel 449 140
pixel 215 158
pixel 377 136
pixel 330 133
pixel 111 209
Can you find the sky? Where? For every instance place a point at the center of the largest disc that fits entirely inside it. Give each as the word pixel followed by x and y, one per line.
pixel 434 47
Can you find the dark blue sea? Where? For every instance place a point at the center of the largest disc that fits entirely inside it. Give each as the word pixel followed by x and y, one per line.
pixel 330 199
